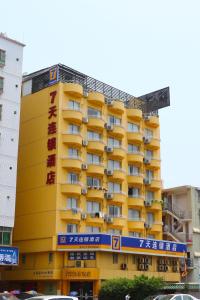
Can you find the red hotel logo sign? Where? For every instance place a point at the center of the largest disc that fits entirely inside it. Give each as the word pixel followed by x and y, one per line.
pixel 51 142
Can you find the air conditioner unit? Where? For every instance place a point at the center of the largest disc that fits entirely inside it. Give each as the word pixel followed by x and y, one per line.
pixel 161 268
pixel 85 93
pixel 146 260
pixel 146 140
pixel 83 216
pixel 108 172
pixel 165 268
pixel 84 166
pixel 92 215
pixel 175 269
pixel 84 143
pixel 141 267
pixel 146 267
pixel 109 220
pixel 123 266
pixel 108 149
pixel 109 101
pixel 108 196
pixel 85 120
pixel 147 203
pixel 79 264
pixel 146 225
pixel 108 127
pixel 84 191
pixel 146 118
pixel 74 210
pixel 147 161
pixel 141 260
pixel 147 181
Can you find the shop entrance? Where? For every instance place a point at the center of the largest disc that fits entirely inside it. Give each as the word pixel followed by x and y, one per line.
pixel 82 289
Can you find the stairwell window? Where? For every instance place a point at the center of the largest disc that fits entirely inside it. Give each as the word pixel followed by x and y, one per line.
pixel 149 174
pixel 112 120
pixel 74 105
pixel 114 143
pixel 73 178
pixel 114 165
pixel 72 228
pixel 94 113
pixel 133 127
pixel 73 152
pixel 2 57
pixel 133 170
pixel 1 84
pixel 149 196
pixel 93 181
pixel 133 148
pixel 114 211
pixel 93 136
pixel 74 129
pixel 93 159
pixel 72 203
pixel 114 187
pixel 133 214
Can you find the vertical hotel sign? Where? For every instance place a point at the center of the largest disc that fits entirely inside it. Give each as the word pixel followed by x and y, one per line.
pixel 51 142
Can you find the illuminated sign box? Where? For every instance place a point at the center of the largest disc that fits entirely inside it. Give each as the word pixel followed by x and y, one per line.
pixel 106 242
pixel 9 256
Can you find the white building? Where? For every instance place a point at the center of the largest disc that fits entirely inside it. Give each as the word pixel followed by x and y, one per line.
pixel 11 54
pixel 181 219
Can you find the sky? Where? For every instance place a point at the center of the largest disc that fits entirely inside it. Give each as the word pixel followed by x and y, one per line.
pixel 138 46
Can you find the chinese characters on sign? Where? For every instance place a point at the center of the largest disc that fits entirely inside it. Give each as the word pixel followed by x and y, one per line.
pixel 9 256
pixel 82 255
pixel 51 142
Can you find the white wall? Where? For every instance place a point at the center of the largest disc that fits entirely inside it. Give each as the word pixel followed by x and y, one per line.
pixel 9 128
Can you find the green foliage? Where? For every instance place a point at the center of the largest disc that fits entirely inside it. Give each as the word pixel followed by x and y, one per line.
pixel 138 288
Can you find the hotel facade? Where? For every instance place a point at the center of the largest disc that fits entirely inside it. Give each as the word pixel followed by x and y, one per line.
pixel 89 202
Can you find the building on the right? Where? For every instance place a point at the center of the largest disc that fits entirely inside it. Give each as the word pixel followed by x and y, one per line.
pixel 181 221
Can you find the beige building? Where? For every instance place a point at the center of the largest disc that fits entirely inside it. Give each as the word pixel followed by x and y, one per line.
pixel 181 220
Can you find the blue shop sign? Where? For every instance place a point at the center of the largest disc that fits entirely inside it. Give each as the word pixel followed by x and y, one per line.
pixel 9 256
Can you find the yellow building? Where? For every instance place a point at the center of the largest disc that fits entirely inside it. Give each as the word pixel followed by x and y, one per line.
pixel 89 189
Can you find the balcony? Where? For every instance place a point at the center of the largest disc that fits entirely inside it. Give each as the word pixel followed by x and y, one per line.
pixel 72 139
pixel 117 131
pixel 71 188
pixel 73 89
pixel 116 107
pixel 156 227
pixel 70 214
pixel 152 142
pixel 72 115
pixel 134 114
pixel 117 175
pixel 136 201
pixel 117 197
pixel 152 121
pixel 96 122
pixel 153 204
pixel 154 184
pixel 136 224
pixel 95 193
pixel 96 146
pixel 117 153
pixel 96 169
pixel 135 137
pixel 95 218
pixel 72 163
pixel 135 157
pixel 153 163
pixel 96 98
pixel 119 222
pixel 135 179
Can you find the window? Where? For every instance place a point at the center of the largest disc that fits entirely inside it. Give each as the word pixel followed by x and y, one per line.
pixel 114 231
pixel 93 159
pixel 115 258
pixel 133 214
pixel 149 174
pixel 133 170
pixel 73 152
pixel 50 257
pixel 149 154
pixel 148 133
pixel 72 203
pixel 133 148
pixel 186 297
pixel 1 84
pixel 95 113
pixel 149 196
pixel 74 129
pixel 114 165
pixel 133 192
pixel 1 106
pixel 5 235
pixel 73 105
pixel 93 136
pixel 114 143
pixel 93 181
pixel 72 178
pixel 93 207
pixel 134 234
pixel 72 228
pixel 93 229
pixel 2 57
pixel 150 218
pixel 114 187
pixel 112 120
pixel 114 211
pixel 133 127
